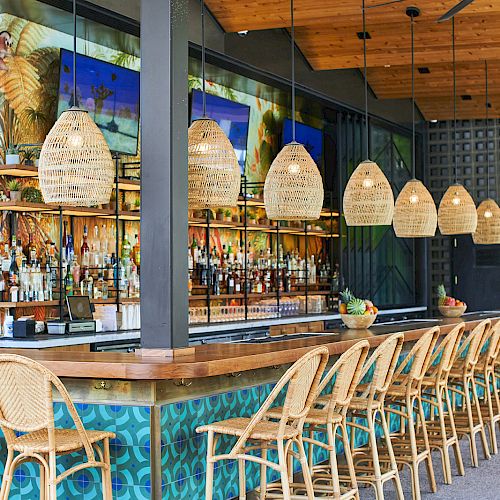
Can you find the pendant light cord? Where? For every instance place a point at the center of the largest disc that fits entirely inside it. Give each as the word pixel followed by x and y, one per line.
pixel 487 130
pixel 365 73
pixel 292 19
pixel 75 98
pixel 454 100
pixel 413 152
pixel 203 85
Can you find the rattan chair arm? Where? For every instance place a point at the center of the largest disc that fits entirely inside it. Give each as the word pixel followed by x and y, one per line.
pixel 388 409
pixel 431 402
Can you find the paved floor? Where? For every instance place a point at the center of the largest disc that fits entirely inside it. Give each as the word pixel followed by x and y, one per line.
pixel 482 483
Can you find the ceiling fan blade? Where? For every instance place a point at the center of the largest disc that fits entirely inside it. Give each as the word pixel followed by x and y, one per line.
pixel 454 10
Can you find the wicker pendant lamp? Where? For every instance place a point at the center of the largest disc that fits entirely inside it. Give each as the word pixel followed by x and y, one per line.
pixel 368 198
pixel 415 214
pixel 488 212
pixel 214 177
pixel 76 167
pixel 457 211
pixel 293 189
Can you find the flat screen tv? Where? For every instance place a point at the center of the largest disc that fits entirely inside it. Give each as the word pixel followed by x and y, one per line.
pixel 232 118
pixel 310 137
pixel 109 93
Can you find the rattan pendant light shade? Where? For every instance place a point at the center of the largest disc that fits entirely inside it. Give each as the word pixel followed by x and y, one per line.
pixel 488 223
pixel 293 189
pixel 368 198
pixel 76 167
pixel 213 170
pixel 457 211
pixel 415 214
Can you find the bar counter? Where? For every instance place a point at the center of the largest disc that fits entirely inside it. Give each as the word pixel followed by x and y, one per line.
pixel 155 404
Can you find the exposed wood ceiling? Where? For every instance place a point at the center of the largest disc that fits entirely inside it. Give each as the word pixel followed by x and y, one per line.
pixel 326 32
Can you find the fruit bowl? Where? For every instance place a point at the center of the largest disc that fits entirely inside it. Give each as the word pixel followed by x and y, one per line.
pixel 452 311
pixel 358 322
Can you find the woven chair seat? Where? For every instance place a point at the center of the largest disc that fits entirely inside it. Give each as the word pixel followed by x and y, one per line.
pixel 65 440
pixel 400 391
pixel 264 430
pixel 360 403
pixel 317 416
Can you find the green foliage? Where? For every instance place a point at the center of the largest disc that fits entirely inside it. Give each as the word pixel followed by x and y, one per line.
pixel 32 195
pixel 14 185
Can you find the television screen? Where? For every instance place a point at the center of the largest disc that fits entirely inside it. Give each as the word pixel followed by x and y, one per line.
pixel 109 93
pixel 310 137
pixel 232 118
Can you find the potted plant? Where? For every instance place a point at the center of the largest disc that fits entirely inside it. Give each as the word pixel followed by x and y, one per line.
pixel 228 215
pixel 252 218
pixel 32 195
pixel 29 156
pixel 12 155
pixel 219 215
pixel 256 193
pixel 235 218
pixel 198 214
pixel 14 187
pixel 137 205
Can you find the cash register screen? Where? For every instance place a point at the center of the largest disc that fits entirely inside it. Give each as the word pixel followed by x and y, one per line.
pixel 79 308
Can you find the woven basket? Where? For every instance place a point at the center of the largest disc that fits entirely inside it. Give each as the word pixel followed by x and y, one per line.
pixel 214 177
pixel 293 189
pixel 360 322
pixel 76 168
pixel 488 223
pixel 368 198
pixel 415 214
pixel 457 211
pixel 452 311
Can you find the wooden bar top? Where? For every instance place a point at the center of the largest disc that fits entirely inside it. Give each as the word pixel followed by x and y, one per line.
pixel 219 359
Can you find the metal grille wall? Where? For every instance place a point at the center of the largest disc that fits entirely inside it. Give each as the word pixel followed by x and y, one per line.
pixel 473 146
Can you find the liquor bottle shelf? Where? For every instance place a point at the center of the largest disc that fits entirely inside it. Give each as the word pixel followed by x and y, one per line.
pixel 239 296
pixel 22 170
pixel 55 303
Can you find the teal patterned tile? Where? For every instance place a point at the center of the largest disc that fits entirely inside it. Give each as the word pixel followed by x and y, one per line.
pixel 133 425
pixel 133 465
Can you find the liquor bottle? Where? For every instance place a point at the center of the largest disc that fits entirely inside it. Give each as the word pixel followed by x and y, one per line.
pixel 103 286
pixel 87 284
pixel 32 252
pixel 126 249
pixel 312 271
pixel 65 237
pixel 239 257
pixel 230 282
pixel 70 285
pixel 104 241
pixel 190 260
pixel 215 281
pixel 190 280
pixel 230 253
pixel 137 251
pixel 75 271
pixel 237 281
pixel 48 283
pixel 19 254
pixel 14 269
pixel 6 260
pixel 85 250
pixel 194 250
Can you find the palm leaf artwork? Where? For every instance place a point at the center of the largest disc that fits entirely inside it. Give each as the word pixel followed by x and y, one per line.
pixel 29 39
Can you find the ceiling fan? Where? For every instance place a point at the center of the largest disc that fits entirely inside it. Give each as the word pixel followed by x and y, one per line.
pixel 454 10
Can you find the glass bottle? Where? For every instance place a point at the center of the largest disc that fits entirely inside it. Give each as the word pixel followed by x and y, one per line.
pixel 137 250
pixel 126 249
pixel 85 250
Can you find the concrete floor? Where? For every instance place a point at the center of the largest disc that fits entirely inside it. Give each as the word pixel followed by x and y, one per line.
pixel 482 483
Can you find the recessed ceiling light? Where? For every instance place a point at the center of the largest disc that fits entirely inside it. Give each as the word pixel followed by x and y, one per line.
pixel 363 35
pixel 434 121
pixel 423 70
pixel 243 32
pixel 387 65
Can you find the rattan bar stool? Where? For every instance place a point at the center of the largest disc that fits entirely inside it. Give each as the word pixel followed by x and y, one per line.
pixel 27 421
pixel 328 415
pixel 486 378
pixel 301 381
pixel 440 424
pixel 362 415
pixel 403 401
pixel 462 385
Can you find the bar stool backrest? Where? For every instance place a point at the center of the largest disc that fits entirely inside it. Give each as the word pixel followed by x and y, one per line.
pixel 26 401
pixel 444 355
pixel 347 372
pixel 302 382
pixel 471 347
pixel 383 363
pixel 493 351
pixel 418 359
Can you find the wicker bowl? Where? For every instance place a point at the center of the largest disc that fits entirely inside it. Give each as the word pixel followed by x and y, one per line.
pixel 452 311
pixel 358 322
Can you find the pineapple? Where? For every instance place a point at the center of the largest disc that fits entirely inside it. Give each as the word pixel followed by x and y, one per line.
pixel 356 307
pixel 347 296
pixel 441 291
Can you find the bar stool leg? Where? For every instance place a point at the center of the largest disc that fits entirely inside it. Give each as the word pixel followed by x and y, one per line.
pixel 242 479
pixel 305 469
pixel 394 466
pixel 445 452
pixel 348 458
pixel 106 473
pixel 263 473
pixel 7 477
pixel 43 486
pixel 282 460
pixel 486 448
pixel 210 466
pixel 456 446
pixel 379 488
pixel 333 459
pixel 52 487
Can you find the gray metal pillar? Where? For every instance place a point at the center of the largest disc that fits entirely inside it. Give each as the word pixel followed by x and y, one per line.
pixel 164 122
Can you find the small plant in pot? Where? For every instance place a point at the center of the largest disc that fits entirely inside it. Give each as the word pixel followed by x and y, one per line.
pixel 32 195
pixel 356 313
pixel 219 214
pixel 30 155
pixel 14 187
pixel 252 218
pixel 12 155
pixel 137 205
pixel 228 215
